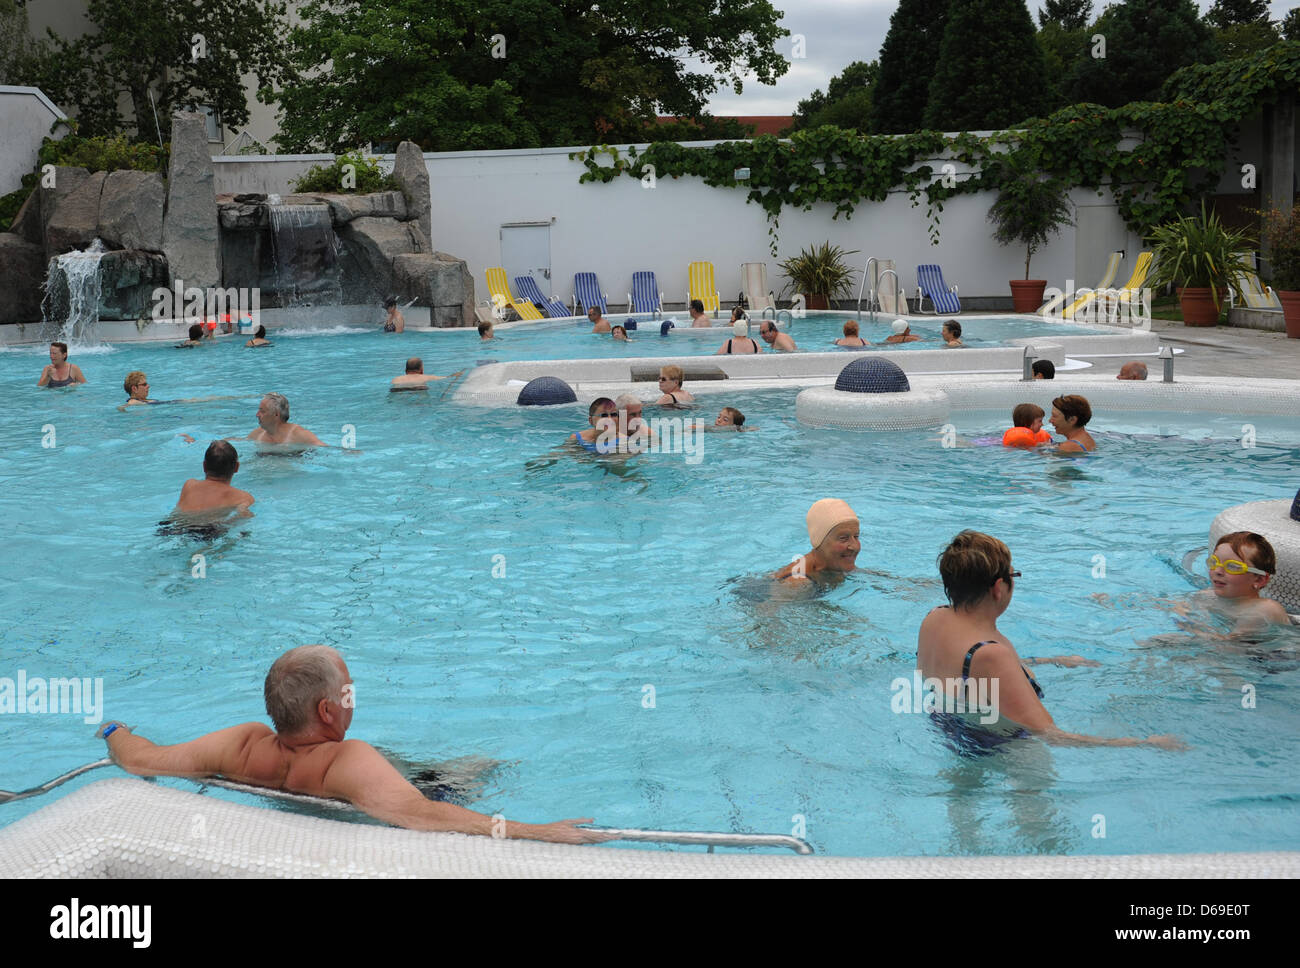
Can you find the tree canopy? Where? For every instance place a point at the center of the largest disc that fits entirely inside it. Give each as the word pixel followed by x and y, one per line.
pixel 846 103
pixel 184 53
pixel 1145 42
pixel 513 73
pixel 991 72
pixel 908 59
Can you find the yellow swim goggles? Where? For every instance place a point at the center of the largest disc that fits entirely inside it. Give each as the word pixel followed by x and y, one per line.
pixel 1232 566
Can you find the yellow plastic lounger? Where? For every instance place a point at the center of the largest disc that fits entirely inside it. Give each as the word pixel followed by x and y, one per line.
pixel 1124 295
pixel 757 293
pixel 1253 291
pixel 500 290
pixel 700 286
pixel 1107 280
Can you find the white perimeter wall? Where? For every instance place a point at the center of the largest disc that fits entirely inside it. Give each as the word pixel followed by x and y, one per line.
pixel 617 228
pixel 25 118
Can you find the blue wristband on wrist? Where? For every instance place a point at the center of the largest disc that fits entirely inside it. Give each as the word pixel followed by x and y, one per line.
pixel 108 730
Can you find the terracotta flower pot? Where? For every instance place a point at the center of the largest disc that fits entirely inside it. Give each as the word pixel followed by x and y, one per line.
pixel 815 302
pixel 1027 294
pixel 1291 313
pixel 1198 306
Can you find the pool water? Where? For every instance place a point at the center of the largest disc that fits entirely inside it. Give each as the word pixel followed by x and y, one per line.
pixel 596 628
pixel 816 332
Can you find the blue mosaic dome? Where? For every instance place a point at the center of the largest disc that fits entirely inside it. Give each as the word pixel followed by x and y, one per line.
pixel 546 391
pixel 872 376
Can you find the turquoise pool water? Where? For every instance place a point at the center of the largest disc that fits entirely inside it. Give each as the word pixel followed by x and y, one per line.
pixel 618 576
pixel 816 332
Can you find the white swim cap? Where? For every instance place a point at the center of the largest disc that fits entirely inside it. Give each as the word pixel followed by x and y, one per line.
pixel 740 327
pixel 900 325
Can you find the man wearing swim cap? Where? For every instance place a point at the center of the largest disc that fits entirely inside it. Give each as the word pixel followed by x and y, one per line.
pixel 833 531
pixel 310 698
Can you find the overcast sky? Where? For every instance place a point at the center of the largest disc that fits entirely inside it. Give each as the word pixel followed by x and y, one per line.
pixel 838 32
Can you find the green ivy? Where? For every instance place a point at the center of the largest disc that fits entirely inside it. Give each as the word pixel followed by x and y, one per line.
pixel 1181 147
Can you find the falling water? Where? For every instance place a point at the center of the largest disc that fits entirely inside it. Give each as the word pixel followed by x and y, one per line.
pixel 72 292
pixel 306 253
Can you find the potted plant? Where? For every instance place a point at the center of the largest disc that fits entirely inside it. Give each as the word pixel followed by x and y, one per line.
pixel 1281 233
pixel 1028 209
pixel 1202 257
pixel 820 274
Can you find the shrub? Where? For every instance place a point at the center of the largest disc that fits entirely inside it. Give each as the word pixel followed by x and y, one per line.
pixel 365 176
pixel 1281 232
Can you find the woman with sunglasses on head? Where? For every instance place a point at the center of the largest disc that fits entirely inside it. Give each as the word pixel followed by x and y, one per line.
pixel 961 646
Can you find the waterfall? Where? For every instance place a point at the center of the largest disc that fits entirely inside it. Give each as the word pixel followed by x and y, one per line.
pixel 306 253
pixel 72 292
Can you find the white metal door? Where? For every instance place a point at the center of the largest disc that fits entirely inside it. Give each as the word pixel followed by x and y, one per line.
pixel 526 251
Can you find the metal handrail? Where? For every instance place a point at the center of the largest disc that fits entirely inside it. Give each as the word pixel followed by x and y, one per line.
pixel 866 272
pixel 887 272
pixel 789 317
pixel 767 309
pixel 8 796
pixel 710 839
pixel 702 838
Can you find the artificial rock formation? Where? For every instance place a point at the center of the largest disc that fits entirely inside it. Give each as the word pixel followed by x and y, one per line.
pixel 413 175
pixel 131 210
pixel 191 239
pixel 70 209
pixel 22 270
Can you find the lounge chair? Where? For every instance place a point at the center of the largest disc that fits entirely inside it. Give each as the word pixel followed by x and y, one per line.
pixel 501 297
pixel 1112 299
pixel 757 293
pixel 700 286
pixel 645 296
pixel 586 293
pixel 1107 280
pixel 930 285
pixel 1255 293
pixel 529 289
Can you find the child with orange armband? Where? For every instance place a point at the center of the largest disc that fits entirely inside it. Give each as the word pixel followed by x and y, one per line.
pixel 1028 430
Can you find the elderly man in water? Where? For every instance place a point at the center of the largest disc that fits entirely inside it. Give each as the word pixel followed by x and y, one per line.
pixel 273 425
pixel 310 699
pixel 833 531
pixel 415 378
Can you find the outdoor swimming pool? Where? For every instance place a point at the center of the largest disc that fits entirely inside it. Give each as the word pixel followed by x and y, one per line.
pixel 816 332
pixel 613 576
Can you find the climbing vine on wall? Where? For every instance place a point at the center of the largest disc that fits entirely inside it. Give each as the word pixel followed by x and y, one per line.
pixel 1153 158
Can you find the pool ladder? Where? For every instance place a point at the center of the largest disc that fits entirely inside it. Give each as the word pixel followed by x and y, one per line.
pixel 873 298
pixel 776 316
pixel 698 838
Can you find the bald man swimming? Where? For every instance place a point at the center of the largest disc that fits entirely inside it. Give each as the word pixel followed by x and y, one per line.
pixel 310 698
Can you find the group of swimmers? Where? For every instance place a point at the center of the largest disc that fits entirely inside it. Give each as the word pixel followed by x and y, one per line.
pixel 960 645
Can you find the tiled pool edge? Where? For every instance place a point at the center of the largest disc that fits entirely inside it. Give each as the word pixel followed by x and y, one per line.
pixel 127 828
